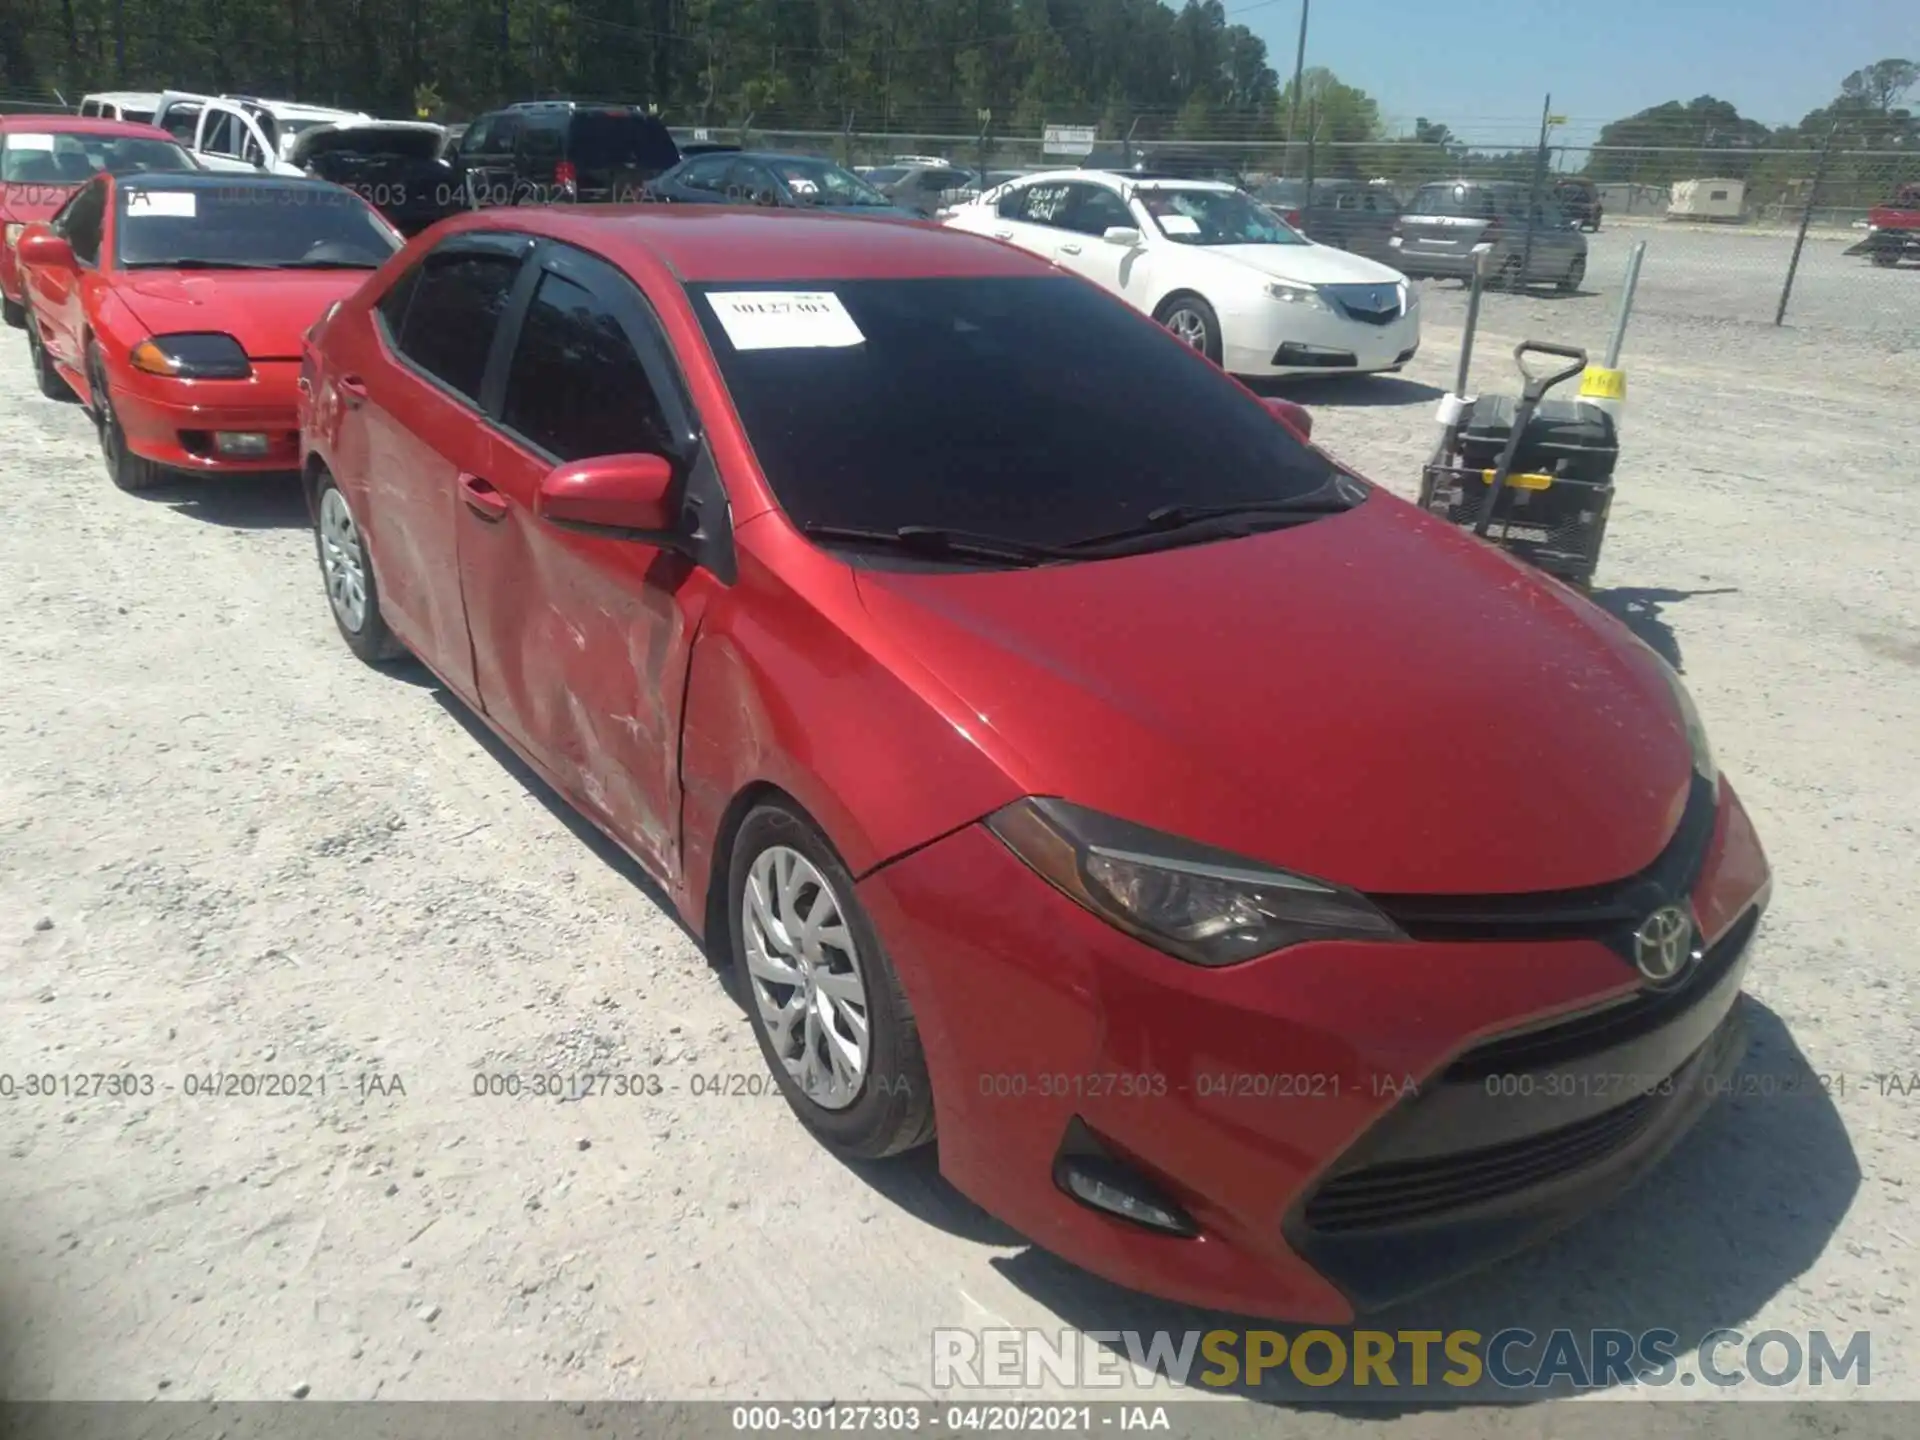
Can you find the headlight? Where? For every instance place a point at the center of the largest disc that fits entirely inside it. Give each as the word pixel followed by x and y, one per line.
pixel 1198 904
pixel 13 234
pixel 193 357
pixel 1292 294
pixel 1703 763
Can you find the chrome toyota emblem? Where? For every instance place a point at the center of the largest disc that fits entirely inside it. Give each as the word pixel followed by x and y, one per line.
pixel 1663 945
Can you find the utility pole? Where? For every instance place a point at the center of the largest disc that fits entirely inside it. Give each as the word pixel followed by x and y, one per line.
pixel 1299 69
pixel 1533 199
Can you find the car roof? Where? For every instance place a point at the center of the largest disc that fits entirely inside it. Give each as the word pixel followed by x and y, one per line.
pixel 65 124
pixel 123 97
pixel 707 243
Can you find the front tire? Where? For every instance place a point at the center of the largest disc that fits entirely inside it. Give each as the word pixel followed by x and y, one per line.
pixel 127 470
pixel 13 312
pixel 1192 322
pixel 45 375
pixel 1576 272
pixel 347 572
pixel 825 1002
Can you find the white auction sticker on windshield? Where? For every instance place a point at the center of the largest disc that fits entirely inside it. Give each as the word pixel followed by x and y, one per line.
pixel 785 319
pixel 1179 225
pixel 175 203
pixel 29 142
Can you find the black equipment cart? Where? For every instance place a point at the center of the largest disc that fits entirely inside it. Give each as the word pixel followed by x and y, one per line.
pixel 1532 475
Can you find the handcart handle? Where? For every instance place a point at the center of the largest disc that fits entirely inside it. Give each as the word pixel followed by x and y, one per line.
pixel 1538 385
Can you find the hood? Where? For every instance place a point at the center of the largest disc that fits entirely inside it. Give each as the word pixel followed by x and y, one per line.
pixel 267 311
pixel 1308 264
pixel 1373 698
pixel 21 204
pixel 411 139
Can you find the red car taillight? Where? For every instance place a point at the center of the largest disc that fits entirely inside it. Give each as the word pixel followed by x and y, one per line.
pixel 565 176
pixel 1292 217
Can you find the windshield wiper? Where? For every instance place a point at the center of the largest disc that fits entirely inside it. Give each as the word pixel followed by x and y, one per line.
pixel 1330 498
pixel 188 264
pixel 327 265
pixel 937 542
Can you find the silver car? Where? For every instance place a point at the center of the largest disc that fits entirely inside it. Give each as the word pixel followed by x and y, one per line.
pixel 1444 221
pixel 927 188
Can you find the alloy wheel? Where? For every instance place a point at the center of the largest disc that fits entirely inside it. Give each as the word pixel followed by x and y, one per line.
pixel 1189 326
pixel 804 969
pixel 342 561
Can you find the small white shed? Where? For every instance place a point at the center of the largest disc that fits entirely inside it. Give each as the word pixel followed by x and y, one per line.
pixel 1707 200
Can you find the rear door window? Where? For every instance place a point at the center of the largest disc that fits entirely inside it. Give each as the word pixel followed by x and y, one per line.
pixel 1467 202
pixel 455 308
pixel 180 122
pixel 576 387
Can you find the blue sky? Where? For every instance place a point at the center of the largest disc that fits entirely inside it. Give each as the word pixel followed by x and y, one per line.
pixel 1484 66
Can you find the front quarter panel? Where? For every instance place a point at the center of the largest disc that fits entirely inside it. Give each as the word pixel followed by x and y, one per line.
pixel 790 686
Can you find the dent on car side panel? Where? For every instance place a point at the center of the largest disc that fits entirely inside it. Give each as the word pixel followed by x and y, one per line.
pixel 594 674
pixel 790 690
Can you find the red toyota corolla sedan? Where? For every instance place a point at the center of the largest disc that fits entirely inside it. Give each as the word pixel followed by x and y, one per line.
pixel 1271 897
pixel 45 158
pixel 174 306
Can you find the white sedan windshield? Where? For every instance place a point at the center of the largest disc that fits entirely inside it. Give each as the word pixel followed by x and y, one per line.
pixel 1214 217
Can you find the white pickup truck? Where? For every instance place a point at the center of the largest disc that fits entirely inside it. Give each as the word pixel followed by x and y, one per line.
pixel 240 132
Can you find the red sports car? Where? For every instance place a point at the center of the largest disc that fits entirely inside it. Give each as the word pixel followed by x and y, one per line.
pixel 1271 897
pixel 174 304
pixel 45 158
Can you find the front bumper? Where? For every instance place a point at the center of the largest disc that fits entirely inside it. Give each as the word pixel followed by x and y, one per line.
pixel 173 422
pixel 1280 339
pixel 1326 1116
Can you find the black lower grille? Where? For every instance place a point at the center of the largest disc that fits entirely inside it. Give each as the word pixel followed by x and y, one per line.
pixel 1304 355
pixel 1621 1023
pixel 1410 1191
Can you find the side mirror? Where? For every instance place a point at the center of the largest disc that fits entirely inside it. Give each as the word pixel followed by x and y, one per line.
pixel 1121 235
pixel 40 246
pixel 625 497
pixel 1295 417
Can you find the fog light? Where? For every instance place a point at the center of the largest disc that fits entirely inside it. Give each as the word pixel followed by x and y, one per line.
pixel 242 442
pixel 1108 1186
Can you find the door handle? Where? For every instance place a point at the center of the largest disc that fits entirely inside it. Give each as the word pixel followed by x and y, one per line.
pixel 1069 249
pixel 485 501
pixel 1003 234
pixel 353 388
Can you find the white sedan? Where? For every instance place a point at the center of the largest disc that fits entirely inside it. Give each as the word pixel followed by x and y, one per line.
pixel 1215 267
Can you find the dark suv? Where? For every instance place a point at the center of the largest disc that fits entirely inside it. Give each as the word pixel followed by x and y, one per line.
pixel 1346 214
pixel 1580 199
pixel 542 151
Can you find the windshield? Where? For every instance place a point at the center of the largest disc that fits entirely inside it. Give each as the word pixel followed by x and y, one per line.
pixel 310 226
pixel 376 140
pixel 1036 445
pixel 819 182
pixel 887 175
pixel 1214 217
pixel 74 159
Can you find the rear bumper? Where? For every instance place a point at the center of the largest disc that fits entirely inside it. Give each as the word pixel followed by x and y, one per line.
pixel 173 422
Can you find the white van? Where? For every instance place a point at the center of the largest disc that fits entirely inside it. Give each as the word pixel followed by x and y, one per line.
pixel 135 106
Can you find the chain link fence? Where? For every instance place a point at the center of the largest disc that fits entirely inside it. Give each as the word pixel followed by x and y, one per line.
pixel 1724 227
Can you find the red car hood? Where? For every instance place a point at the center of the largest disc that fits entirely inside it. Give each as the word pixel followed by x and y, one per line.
pixel 267 311
pixel 1373 698
pixel 23 204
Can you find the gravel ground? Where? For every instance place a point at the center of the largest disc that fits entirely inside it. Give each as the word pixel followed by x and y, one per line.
pixel 226 846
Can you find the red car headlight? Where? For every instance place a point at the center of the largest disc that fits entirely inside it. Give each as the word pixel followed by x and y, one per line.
pixel 192 357
pixel 1198 904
